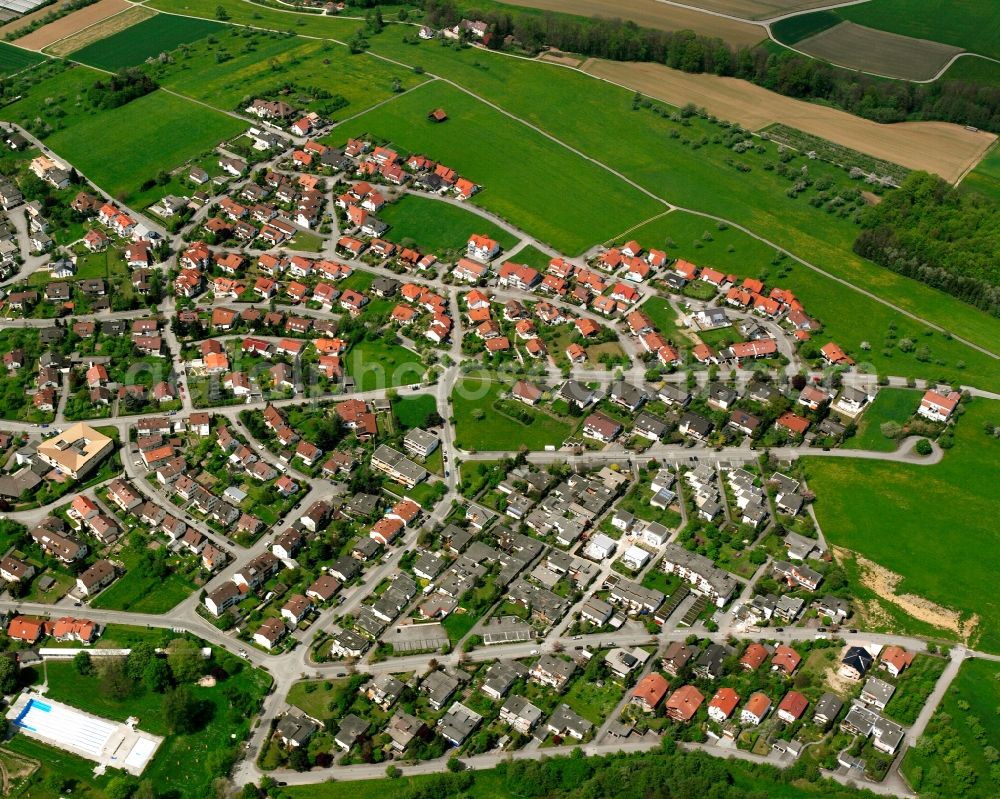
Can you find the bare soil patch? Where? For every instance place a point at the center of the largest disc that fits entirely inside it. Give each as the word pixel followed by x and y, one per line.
pixel 100 30
pixel 857 47
pixel 757 9
pixel 884 583
pixel 555 57
pixel 654 14
pixel 946 149
pixel 71 23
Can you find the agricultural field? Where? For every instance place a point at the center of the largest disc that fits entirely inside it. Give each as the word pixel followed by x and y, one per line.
pixel 890 405
pixel 940 147
pixel 479 425
pixel 879 52
pixel 795 29
pixel 955 22
pixel 660 16
pixel 757 9
pixel 985 178
pixel 14 59
pixel 602 205
pixel 72 23
pixel 146 39
pixel 260 16
pixel 122 147
pixel 927 524
pixel 100 30
pixel 974 69
pixel 328 79
pixel 952 758
pixel 437 227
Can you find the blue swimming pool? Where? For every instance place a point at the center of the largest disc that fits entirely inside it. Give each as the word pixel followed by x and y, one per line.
pixel 33 704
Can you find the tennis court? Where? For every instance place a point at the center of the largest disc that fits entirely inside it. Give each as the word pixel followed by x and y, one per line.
pixel 108 743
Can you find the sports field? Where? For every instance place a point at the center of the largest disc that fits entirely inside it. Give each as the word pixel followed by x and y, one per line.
pixel 437 227
pixel 540 187
pixel 14 59
pixel 930 524
pixel 879 52
pixel 72 23
pixel 985 178
pixel 968 24
pixel 654 14
pixel 943 148
pixel 150 37
pixel 100 30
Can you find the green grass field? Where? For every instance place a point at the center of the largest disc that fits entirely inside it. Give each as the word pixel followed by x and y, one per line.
pixel 122 147
pixel 795 29
pixel 375 364
pixel 974 69
pixel 260 63
pixel 141 594
pixel 985 178
pixel 660 311
pixel 533 257
pixel 890 405
pixel 146 39
pixel 956 22
pixel 527 179
pixel 414 410
pixel 438 227
pixel 959 754
pixel 497 431
pixel 930 524
pixel 14 59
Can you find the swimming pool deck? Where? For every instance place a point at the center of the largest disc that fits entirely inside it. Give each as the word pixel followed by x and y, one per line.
pixel 106 742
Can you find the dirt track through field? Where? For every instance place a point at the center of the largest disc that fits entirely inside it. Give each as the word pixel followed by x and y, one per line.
pixel 940 147
pixel 653 14
pixel 71 23
pixel 101 30
pixel 857 47
pixel 756 9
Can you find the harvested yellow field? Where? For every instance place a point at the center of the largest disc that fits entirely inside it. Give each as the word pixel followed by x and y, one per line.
pixel 100 30
pixel 940 147
pixel 756 9
pixel 555 57
pixel 71 23
pixel 654 14
pixel 857 47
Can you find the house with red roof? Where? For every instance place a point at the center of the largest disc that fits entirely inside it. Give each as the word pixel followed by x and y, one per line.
pixel 939 407
pixel 835 356
pixel 650 692
pixel 723 704
pixel 683 703
pixel 792 423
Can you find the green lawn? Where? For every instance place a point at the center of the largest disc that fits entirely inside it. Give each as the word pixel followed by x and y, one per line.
pixel 663 315
pixel 985 178
pixel 931 524
pixel 495 430
pixel 527 179
pixel 67 685
pixel 144 594
pixel 956 22
pixel 457 625
pixel 55 763
pixel 375 364
pixel 159 34
pixel 965 724
pixel 434 226
pixel 414 410
pixel 890 405
pixel 533 257
pixel 14 59
pixel 259 63
pixel 594 701
pixel 313 697
pixel 122 147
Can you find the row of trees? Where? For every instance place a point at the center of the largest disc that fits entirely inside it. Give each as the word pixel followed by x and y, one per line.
pixel 785 72
pixel 939 235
